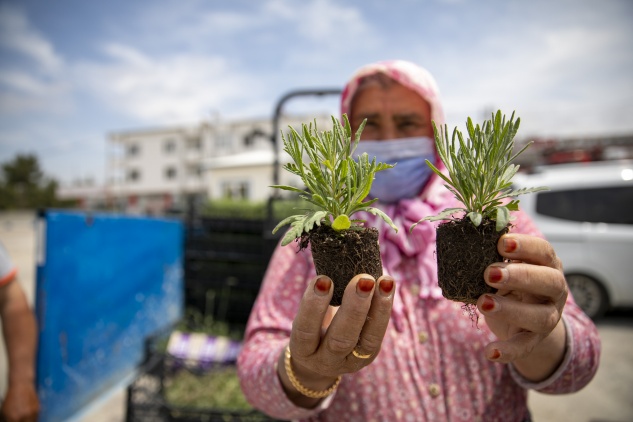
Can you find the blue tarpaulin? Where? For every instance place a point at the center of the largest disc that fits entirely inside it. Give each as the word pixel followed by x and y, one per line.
pixel 104 284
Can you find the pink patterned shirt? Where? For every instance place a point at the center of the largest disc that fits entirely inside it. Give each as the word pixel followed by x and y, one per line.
pixel 431 366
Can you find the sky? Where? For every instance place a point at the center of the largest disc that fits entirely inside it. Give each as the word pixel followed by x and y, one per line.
pixel 74 71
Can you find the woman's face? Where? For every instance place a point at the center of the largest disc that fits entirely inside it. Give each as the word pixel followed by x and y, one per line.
pixel 392 112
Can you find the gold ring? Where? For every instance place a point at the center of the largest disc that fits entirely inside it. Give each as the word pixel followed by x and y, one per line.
pixel 359 356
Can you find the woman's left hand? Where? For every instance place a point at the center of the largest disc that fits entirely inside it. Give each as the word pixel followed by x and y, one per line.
pixel 525 313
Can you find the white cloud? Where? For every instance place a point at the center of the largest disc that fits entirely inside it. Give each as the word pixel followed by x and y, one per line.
pixel 330 29
pixel 23 82
pixel 38 83
pixel 319 21
pixel 308 32
pixel 172 87
pixel 228 22
pixel 167 88
pixel 562 81
pixel 16 33
pixel 127 55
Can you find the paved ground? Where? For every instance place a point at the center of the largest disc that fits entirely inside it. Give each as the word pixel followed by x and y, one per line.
pixel 608 398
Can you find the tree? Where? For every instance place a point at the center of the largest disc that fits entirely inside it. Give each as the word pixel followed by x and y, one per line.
pixel 23 185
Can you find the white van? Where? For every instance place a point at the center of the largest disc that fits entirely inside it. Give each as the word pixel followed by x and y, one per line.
pixel 587 215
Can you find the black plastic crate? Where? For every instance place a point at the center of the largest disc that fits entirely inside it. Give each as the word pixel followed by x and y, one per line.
pixel 146 398
pixel 230 225
pixel 227 246
pixel 230 304
pixel 225 261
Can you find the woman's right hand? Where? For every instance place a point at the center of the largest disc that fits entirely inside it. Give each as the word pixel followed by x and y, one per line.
pixel 323 338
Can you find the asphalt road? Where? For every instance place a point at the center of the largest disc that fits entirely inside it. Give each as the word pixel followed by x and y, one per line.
pixel 608 398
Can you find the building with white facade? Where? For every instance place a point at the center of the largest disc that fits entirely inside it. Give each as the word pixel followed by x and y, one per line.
pixel 154 170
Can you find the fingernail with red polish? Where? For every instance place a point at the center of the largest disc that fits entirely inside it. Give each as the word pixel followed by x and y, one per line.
pixel 510 244
pixel 495 354
pixel 489 304
pixel 495 274
pixel 386 286
pixel 365 286
pixel 322 286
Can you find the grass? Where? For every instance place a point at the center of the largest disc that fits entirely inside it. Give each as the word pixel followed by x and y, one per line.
pixel 215 388
pixel 253 210
pixel 195 322
pixel 218 388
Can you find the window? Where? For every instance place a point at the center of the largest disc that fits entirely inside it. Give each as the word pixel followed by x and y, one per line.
pixel 133 175
pixel 133 150
pixel 250 137
pixel 194 170
pixel 598 205
pixel 194 144
pixel 235 190
pixel 223 140
pixel 170 173
pixel 169 146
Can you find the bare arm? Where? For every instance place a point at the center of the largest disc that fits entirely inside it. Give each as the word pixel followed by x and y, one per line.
pixel 20 335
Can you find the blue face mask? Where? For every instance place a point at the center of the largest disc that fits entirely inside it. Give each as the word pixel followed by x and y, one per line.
pixel 411 172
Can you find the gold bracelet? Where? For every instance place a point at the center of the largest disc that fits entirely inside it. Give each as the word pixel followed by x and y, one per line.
pixel 300 388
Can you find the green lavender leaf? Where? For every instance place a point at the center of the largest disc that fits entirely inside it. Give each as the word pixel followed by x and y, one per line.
pixel 479 169
pixel 503 218
pixel 337 184
pixel 475 217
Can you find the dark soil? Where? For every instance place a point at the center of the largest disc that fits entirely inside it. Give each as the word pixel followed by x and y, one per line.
pixel 463 253
pixel 342 255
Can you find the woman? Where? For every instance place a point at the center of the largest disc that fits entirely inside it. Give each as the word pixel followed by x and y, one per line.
pixel 396 349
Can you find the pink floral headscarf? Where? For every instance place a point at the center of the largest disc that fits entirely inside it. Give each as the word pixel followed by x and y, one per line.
pixel 406 73
pixel 420 244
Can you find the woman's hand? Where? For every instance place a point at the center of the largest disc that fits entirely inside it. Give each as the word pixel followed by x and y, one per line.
pixel 525 313
pixel 323 338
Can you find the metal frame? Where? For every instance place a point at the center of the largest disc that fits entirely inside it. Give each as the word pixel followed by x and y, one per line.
pixel 274 137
